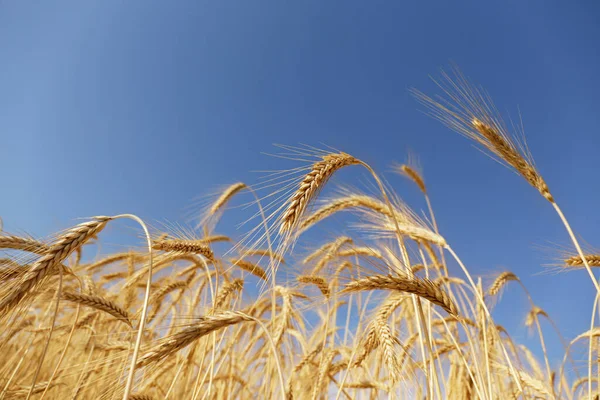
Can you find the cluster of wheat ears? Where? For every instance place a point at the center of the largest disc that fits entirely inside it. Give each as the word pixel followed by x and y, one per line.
pixel 376 315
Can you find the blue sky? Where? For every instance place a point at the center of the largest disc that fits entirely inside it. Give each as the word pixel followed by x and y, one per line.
pixel 137 106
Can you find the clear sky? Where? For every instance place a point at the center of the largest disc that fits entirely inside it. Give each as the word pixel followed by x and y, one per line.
pixel 110 106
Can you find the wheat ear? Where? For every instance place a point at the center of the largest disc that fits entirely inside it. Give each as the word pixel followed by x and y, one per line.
pixel 179 340
pixel 23 244
pixel 318 281
pixel 319 174
pixel 225 197
pixel 500 281
pixel 57 252
pixel 593 260
pixel 184 246
pixel 423 288
pixel 250 267
pixel 99 303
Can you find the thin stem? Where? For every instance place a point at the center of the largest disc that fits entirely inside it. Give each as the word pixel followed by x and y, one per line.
pixel 576 244
pixel 39 367
pixel 140 331
pixel 487 311
pixel 592 277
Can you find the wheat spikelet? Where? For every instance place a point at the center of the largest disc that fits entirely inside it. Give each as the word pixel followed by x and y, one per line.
pixel 343 203
pixel 500 281
pixel 530 382
pixel 502 146
pixel 215 238
pixel 24 391
pixel 99 303
pixel 326 247
pixel 113 346
pixel 416 268
pixel 386 342
pixel 320 173
pixel 264 253
pixel 88 285
pixel 184 246
pixel 225 197
pixel 56 253
pixel 472 114
pixel 360 251
pixel 285 315
pixel 421 287
pixel 169 345
pixel 330 252
pixel 24 244
pixel 160 294
pixel 114 275
pixel 366 385
pixel 576 261
pixel 114 258
pixel 532 315
pixel 324 366
pixel 413 231
pixel 318 281
pixel 10 269
pixel 412 174
pixel 307 358
pixel 250 267
pixel 228 288
pixel 140 396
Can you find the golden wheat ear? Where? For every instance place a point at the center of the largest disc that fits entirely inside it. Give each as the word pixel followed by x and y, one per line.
pixel 169 345
pixel 423 288
pixel 212 211
pixel 66 244
pixel 100 303
pixel 500 281
pixel 310 186
pixel 469 111
pixel 577 261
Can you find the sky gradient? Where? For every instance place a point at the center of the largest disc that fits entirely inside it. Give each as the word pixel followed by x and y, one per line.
pixel 140 106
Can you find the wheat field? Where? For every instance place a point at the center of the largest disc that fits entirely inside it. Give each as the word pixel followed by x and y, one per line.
pixel 389 311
